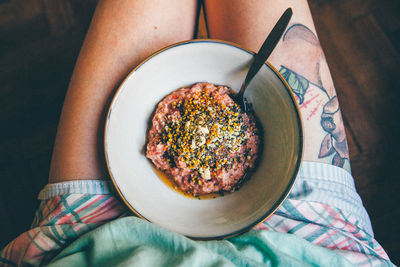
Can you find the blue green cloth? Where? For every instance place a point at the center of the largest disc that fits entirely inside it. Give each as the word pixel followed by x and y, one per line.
pixel 131 241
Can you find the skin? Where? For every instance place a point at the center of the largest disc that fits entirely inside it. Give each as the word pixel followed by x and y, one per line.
pixel 123 33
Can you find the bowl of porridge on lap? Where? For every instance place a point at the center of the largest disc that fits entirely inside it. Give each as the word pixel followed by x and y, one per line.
pixel 182 154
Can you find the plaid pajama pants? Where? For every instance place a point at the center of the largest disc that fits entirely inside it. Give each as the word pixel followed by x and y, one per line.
pixel 323 208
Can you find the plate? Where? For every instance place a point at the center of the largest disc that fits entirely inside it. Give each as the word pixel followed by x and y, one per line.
pixel 134 176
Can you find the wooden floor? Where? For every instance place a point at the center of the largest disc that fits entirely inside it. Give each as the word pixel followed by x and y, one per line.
pixel 39 43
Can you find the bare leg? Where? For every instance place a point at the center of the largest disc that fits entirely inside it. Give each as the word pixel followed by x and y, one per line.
pixel 122 33
pixel 299 58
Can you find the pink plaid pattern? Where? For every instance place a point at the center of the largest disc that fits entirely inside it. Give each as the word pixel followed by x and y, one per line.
pixel 328 227
pixel 62 219
pixel 58 222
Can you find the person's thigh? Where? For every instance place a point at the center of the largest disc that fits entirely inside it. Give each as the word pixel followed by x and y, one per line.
pixel 299 58
pixel 122 33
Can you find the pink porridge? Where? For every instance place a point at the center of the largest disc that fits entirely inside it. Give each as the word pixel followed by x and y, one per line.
pixel 202 140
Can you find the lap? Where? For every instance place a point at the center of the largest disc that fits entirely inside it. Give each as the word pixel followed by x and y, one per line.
pixel 69 210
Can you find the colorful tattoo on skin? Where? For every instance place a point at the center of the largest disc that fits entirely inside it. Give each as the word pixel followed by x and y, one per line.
pixel 314 71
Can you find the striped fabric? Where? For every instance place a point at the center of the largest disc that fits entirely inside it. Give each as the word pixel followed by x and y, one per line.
pixel 91 187
pixel 315 211
pixel 333 186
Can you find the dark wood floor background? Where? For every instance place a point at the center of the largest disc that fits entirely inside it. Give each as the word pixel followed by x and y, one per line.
pixel 40 41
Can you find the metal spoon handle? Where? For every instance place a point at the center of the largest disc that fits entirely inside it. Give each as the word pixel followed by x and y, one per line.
pixel 267 48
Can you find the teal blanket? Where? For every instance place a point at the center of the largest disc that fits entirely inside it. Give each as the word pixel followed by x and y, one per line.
pixel 131 241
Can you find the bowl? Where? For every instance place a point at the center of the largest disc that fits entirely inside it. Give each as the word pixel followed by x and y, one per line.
pixel 140 185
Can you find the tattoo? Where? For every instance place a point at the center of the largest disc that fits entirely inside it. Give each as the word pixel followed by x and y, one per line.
pixel 298 83
pixel 311 75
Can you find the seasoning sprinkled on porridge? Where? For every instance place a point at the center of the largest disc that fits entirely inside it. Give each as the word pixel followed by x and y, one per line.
pixel 202 140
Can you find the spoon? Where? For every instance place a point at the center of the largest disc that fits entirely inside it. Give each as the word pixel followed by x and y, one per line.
pixel 262 55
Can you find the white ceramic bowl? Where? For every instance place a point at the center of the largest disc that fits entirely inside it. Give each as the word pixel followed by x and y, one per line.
pixel 184 64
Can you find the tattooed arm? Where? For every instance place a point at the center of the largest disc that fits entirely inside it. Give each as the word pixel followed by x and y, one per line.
pixel 301 61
